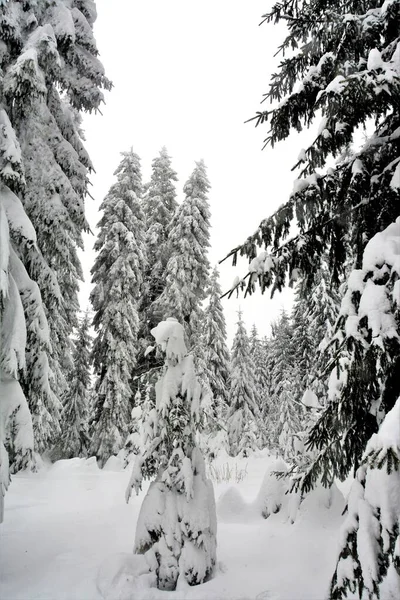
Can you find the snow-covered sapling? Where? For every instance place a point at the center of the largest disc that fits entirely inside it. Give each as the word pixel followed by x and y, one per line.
pixel 177 525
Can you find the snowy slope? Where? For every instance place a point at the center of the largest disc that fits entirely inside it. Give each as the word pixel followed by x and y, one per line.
pixel 68 535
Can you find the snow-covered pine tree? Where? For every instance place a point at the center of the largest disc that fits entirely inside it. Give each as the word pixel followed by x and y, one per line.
pixel 74 438
pixel 261 368
pixel 266 406
pixel 284 395
pixel 118 277
pixel 15 419
pixel 216 353
pixel 187 270
pixel 48 50
pixel 176 529
pixel 346 66
pixel 314 316
pixel 160 206
pixel 304 346
pixel 290 418
pixel 370 535
pixel 243 415
pixel 21 309
pixel 366 349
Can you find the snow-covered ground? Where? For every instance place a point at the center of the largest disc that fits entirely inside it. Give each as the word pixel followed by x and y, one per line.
pixel 68 534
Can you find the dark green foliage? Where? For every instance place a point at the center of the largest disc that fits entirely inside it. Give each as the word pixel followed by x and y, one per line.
pixel 345 62
pixel 372 520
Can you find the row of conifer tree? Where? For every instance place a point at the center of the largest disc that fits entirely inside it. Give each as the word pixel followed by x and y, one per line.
pixel 152 264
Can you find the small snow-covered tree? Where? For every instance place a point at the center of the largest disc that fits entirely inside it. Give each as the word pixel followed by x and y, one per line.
pixel 176 529
pixel 370 535
pixel 118 276
pixel 187 270
pixel 243 414
pixel 74 439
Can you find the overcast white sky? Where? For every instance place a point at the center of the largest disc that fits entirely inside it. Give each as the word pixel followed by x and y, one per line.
pixel 187 74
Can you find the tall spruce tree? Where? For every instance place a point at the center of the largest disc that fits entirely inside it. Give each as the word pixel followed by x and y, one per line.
pixel 50 72
pixel 345 66
pixel 314 316
pixel 261 368
pixel 118 278
pixel 283 417
pixel 160 206
pixel 242 415
pixel 187 270
pixel 74 438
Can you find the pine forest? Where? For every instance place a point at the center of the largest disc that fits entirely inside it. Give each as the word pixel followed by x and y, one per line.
pixel 199 300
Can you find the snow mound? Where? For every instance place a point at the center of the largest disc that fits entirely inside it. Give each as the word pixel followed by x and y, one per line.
pixel 124 577
pixel 114 463
pixel 73 464
pixel 232 508
pixel 322 504
pixel 271 496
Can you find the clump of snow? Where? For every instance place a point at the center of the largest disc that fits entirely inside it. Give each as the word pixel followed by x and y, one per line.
pixel 310 399
pixel 18 220
pixel 235 282
pixel 299 185
pixel 169 334
pixel 383 247
pixel 374 60
pixel 336 86
pixel 302 157
pixel 395 181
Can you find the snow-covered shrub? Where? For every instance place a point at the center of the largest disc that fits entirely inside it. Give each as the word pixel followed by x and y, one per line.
pixel 273 489
pixel 227 472
pixel 177 524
